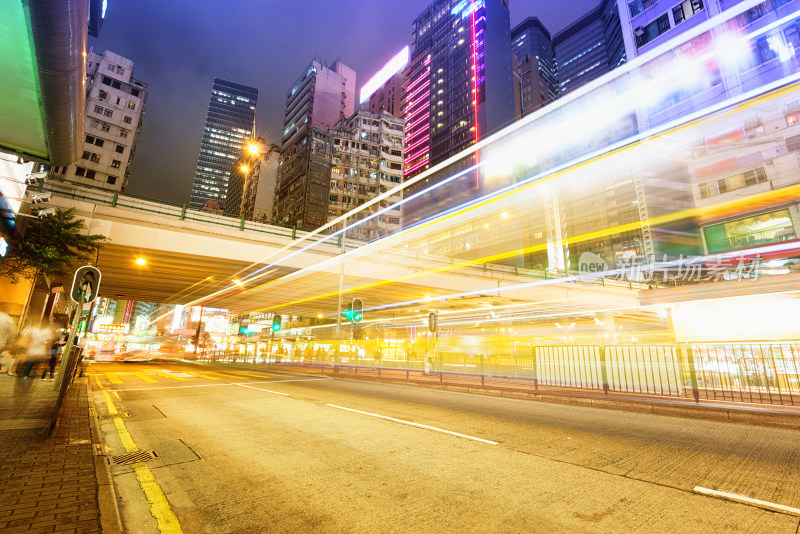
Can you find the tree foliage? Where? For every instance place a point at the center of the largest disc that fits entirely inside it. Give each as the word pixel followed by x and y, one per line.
pixel 52 246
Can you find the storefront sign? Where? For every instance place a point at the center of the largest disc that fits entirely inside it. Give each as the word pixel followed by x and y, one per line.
pixel 3 247
pixel 113 329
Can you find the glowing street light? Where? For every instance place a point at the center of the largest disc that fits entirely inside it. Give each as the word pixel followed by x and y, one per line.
pixel 141 261
pixel 245 169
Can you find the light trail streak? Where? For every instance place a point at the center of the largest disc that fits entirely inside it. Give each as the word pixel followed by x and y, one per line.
pixel 640 137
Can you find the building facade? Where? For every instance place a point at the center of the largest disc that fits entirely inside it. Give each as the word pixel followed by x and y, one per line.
pixel 366 161
pixel 532 47
pixel 115 104
pixel 589 47
pixel 459 84
pixel 321 97
pixel 251 188
pixel 230 122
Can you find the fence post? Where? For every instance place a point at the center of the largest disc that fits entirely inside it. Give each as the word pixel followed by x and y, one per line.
pixel 692 372
pixel 535 370
pixel 241 223
pixel 114 202
pixel 294 233
pixel 603 370
pixel 183 212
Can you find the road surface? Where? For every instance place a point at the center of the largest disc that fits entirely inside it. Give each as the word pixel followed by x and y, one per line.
pixel 244 450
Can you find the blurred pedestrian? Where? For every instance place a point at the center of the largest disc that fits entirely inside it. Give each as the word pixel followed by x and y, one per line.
pixel 39 340
pixel 55 348
pixel 7 335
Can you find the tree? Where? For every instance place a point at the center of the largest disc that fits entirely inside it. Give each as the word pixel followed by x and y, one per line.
pixel 52 246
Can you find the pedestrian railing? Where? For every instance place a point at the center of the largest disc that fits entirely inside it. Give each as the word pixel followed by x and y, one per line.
pixel 761 373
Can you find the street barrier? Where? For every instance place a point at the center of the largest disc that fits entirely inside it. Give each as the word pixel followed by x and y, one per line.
pixel 759 373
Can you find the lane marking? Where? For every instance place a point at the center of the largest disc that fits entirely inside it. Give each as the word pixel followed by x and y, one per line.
pixel 144 377
pixel 159 506
pixel 223 384
pixel 112 410
pixel 114 379
pixel 262 389
pixel 201 376
pixel 179 387
pixel 163 373
pixel 418 425
pixel 97 379
pixel 747 500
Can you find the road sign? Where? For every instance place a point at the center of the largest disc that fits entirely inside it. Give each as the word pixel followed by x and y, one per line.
pixel 85 285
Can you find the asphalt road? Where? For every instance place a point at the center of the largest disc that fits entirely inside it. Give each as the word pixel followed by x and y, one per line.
pixel 249 451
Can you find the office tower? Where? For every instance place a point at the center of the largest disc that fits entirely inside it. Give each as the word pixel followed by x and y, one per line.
pixel 589 47
pixel 383 92
pixel 532 47
pixel 115 103
pixel 229 124
pixel 319 98
pixel 459 84
pixel 366 161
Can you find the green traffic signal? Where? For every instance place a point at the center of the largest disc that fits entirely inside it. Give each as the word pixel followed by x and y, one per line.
pixel 358 310
pixel 276 323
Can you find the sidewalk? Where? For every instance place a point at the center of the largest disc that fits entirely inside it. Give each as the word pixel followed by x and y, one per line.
pixel 48 483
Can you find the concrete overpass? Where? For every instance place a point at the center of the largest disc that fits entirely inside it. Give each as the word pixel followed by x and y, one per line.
pixel 192 254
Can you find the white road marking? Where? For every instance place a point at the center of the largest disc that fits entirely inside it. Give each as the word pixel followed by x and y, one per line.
pixel 418 425
pixel 224 384
pixel 262 389
pixel 747 500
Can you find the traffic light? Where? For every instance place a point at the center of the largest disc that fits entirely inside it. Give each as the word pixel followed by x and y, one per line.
pixel 358 310
pixel 433 321
pixel 85 285
pixel 348 312
pixel 276 323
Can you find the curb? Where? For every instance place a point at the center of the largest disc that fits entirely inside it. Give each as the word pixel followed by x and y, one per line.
pixel 737 414
pixel 110 519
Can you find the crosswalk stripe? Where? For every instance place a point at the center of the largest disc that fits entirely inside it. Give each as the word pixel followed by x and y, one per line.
pixel 114 379
pixel 172 376
pixel 242 373
pixel 144 377
pixel 200 376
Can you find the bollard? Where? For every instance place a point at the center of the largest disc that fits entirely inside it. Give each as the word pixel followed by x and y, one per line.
pixel 603 369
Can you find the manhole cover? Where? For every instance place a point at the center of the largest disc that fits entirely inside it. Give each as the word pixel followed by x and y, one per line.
pixel 134 457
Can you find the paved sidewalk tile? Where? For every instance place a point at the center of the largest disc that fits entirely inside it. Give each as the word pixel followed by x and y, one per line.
pixel 47 483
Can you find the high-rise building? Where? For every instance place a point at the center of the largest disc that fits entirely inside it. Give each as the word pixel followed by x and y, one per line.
pixel 229 124
pixel 459 84
pixel 532 47
pixel 367 160
pixel 589 47
pixel 319 98
pixel 115 103
pixel 383 93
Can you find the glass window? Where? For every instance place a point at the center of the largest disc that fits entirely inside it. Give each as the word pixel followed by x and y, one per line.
pixel 103 95
pixel 120 149
pixel 109 113
pixel 131 105
pixel 98 109
pixel 115 164
pixel 127 120
pixel 95 158
pixel 111 180
pixel 749 232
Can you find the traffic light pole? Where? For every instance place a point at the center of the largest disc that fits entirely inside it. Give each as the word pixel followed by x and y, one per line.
pixel 67 368
pixel 337 358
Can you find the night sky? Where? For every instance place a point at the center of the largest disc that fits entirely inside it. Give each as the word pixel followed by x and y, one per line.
pixel 179 46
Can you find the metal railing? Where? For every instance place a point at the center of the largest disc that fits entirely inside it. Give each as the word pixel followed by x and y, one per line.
pixel 760 373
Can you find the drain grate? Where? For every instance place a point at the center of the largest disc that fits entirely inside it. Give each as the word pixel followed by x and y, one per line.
pixel 134 457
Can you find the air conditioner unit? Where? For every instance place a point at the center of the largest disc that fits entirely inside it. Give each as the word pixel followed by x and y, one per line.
pixel 639 31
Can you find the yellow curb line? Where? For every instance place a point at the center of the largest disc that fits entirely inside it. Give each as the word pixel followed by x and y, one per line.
pixel 159 505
